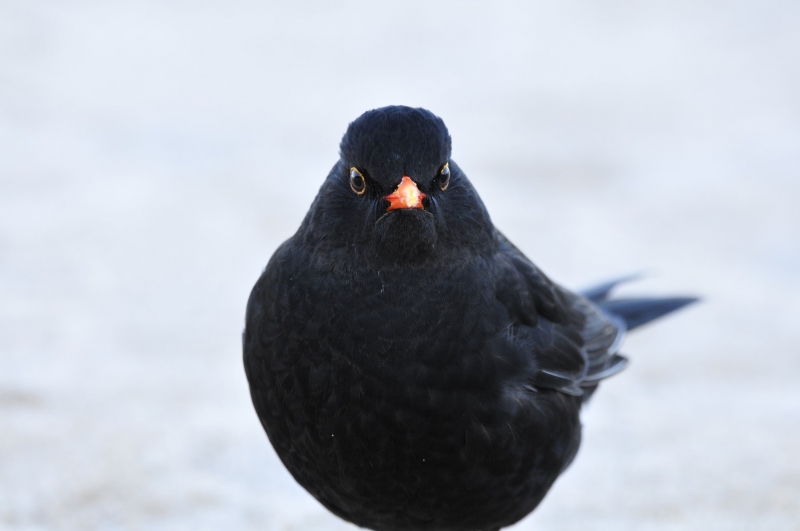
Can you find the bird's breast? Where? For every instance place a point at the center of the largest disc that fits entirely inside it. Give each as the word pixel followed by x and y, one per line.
pixel 390 388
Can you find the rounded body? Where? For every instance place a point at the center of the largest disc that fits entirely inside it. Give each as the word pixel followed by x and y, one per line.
pixel 400 397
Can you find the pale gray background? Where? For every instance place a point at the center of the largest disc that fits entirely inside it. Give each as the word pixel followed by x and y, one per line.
pixel 154 154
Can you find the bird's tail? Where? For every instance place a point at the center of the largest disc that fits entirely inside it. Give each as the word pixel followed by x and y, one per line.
pixel 634 311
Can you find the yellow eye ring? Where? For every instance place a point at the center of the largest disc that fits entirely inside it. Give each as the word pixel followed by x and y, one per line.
pixel 444 177
pixel 357 182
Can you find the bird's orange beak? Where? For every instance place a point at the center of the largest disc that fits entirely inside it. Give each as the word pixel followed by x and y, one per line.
pixel 407 195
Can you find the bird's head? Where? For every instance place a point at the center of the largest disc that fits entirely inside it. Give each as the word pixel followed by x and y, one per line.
pixel 395 195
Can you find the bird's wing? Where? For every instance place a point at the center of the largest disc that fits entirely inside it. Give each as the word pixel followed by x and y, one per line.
pixel 574 344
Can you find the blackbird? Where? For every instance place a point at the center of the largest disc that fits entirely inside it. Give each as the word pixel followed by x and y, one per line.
pixel 411 367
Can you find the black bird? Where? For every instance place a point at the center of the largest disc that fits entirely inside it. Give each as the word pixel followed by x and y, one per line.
pixel 411 367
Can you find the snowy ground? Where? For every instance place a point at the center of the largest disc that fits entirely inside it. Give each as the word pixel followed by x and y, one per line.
pixel 154 154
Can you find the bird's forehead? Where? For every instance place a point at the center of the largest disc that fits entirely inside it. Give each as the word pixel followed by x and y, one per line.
pixel 397 140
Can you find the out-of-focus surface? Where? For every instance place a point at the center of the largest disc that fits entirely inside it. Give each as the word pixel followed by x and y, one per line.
pixel 154 154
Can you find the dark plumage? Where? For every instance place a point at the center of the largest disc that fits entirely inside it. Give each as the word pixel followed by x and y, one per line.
pixel 412 368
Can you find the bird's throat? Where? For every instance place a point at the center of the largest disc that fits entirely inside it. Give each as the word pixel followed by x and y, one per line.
pixel 405 236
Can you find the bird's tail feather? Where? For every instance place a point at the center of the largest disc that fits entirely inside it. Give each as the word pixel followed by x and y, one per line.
pixel 635 311
pixel 600 292
pixel 639 311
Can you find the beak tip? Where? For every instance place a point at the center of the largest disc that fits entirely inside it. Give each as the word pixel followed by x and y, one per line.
pixel 407 195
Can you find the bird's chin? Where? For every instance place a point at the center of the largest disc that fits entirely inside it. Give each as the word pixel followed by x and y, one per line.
pixel 405 235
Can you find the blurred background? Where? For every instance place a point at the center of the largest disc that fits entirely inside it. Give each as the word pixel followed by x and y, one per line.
pixel 154 154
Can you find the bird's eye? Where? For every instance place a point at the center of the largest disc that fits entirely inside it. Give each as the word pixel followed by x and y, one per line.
pixel 444 177
pixel 357 182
